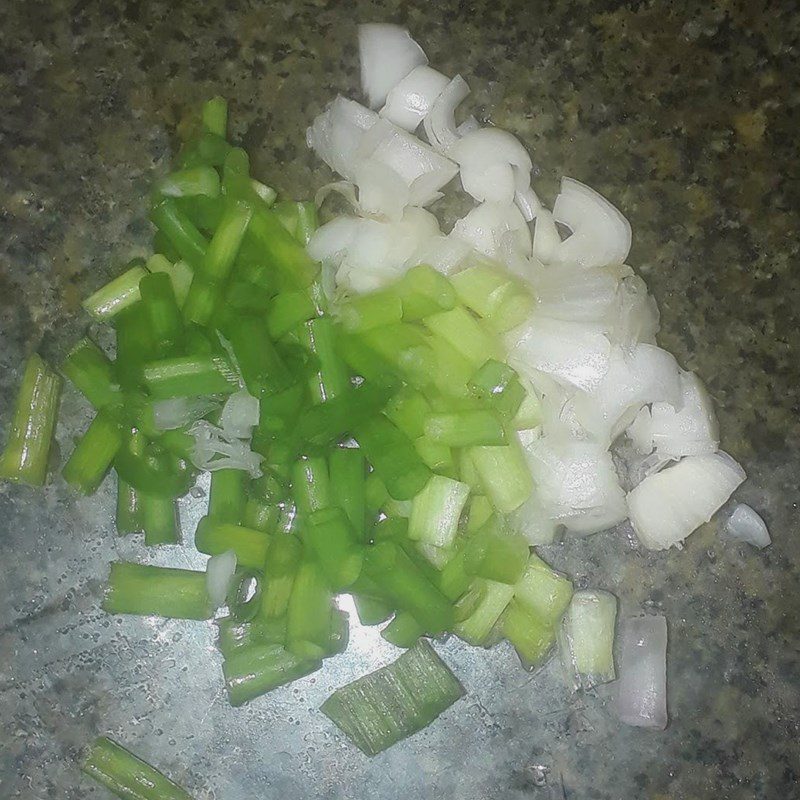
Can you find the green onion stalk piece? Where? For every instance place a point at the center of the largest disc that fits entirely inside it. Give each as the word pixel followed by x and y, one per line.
pixel 25 458
pixel 394 702
pixel 126 775
pixel 436 511
pixel 119 294
pixel 93 455
pixel 214 538
pixel 159 591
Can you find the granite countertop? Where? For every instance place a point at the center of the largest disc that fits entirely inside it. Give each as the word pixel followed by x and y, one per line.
pixel 685 115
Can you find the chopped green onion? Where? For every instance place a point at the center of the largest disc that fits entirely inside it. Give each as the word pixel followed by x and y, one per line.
pixel 504 475
pixel 188 376
pixel 158 591
pixel 393 457
pixel 499 384
pixel 330 378
pixel 244 594
pixel 226 501
pixel 259 669
pixel 409 410
pixel 586 639
pixel 496 554
pixel 129 508
pixel 477 627
pixel 309 614
pixel 394 702
pixel 287 310
pixel 531 636
pixel 311 485
pixel 159 519
pixel 436 511
pixel 91 371
pixel 403 630
pixel 466 428
pixel 215 116
pixel 127 776
pixel 234 635
pixel 181 233
pixel 463 332
pixel 119 294
pixel 424 291
pixel 94 454
pixel 348 474
pixel 190 182
pixel 332 540
pixel 214 537
pixel 372 610
pixel 25 458
pixel 370 311
pixel 543 590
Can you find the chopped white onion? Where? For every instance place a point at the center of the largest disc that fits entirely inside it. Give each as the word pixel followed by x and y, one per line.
pixel 423 169
pixel 486 225
pixel 370 253
pixel 533 522
pixel 650 374
pixel 494 165
pixel 586 639
pixel 239 415
pixel 467 126
pixel 686 428
pixel 440 124
pixel 668 506
pixel 574 353
pixel 546 238
pixel 410 101
pixel 387 54
pixel 527 202
pixel 574 293
pixel 746 525
pixel 444 253
pixel 381 190
pixel 642 685
pixel 335 135
pixel 179 411
pixel 577 483
pixel 215 449
pixel 636 317
pixel 220 570
pixel 600 234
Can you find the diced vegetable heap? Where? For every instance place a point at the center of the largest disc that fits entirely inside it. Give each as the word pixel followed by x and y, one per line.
pixel 363 444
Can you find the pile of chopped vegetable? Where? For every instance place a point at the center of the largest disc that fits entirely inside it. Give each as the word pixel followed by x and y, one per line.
pixel 385 410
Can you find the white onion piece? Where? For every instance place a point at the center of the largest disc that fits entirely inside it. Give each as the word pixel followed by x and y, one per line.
pixel 577 483
pixel 557 413
pixel 636 318
pixel 467 126
pixel 485 226
pixel 642 685
pixel 546 238
pixel 179 411
pixel 410 101
pixel 215 449
pixel 482 154
pixel 600 234
pixel 343 188
pixel 746 525
pixel 574 353
pixel 440 124
pixel 446 254
pixel 220 570
pixel 493 183
pixel 532 521
pixel 410 158
pixel 381 190
pixel 527 202
pixel 668 506
pixel 369 253
pixel 239 415
pixel 650 374
pixel 387 54
pixel 574 293
pixel 335 135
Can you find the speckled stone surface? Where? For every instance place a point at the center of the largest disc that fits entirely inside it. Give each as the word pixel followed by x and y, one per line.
pixel 686 116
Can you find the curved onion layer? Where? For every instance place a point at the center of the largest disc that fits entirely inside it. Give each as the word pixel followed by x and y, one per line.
pixel 636 317
pixel 745 525
pixel 440 123
pixel 649 374
pixel 381 190
pixel 668 506
pixel 546 238
pixel 600 234
pixel 686 428
pixel 642 684
pixel 574 293
pixel 486 226
pixel 387 54
pixel 576 483
pixel 335 134
pixel 573 353
pixel 494 165
pixel 408 103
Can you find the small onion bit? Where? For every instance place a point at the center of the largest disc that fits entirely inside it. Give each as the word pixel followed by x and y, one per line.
pixel 220 570
pixel 746 525
pixel 387 54
pixel 439 123
pixel 642 684
pixel 410 101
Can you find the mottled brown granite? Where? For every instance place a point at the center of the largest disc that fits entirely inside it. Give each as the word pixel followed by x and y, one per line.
pixel 685 115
